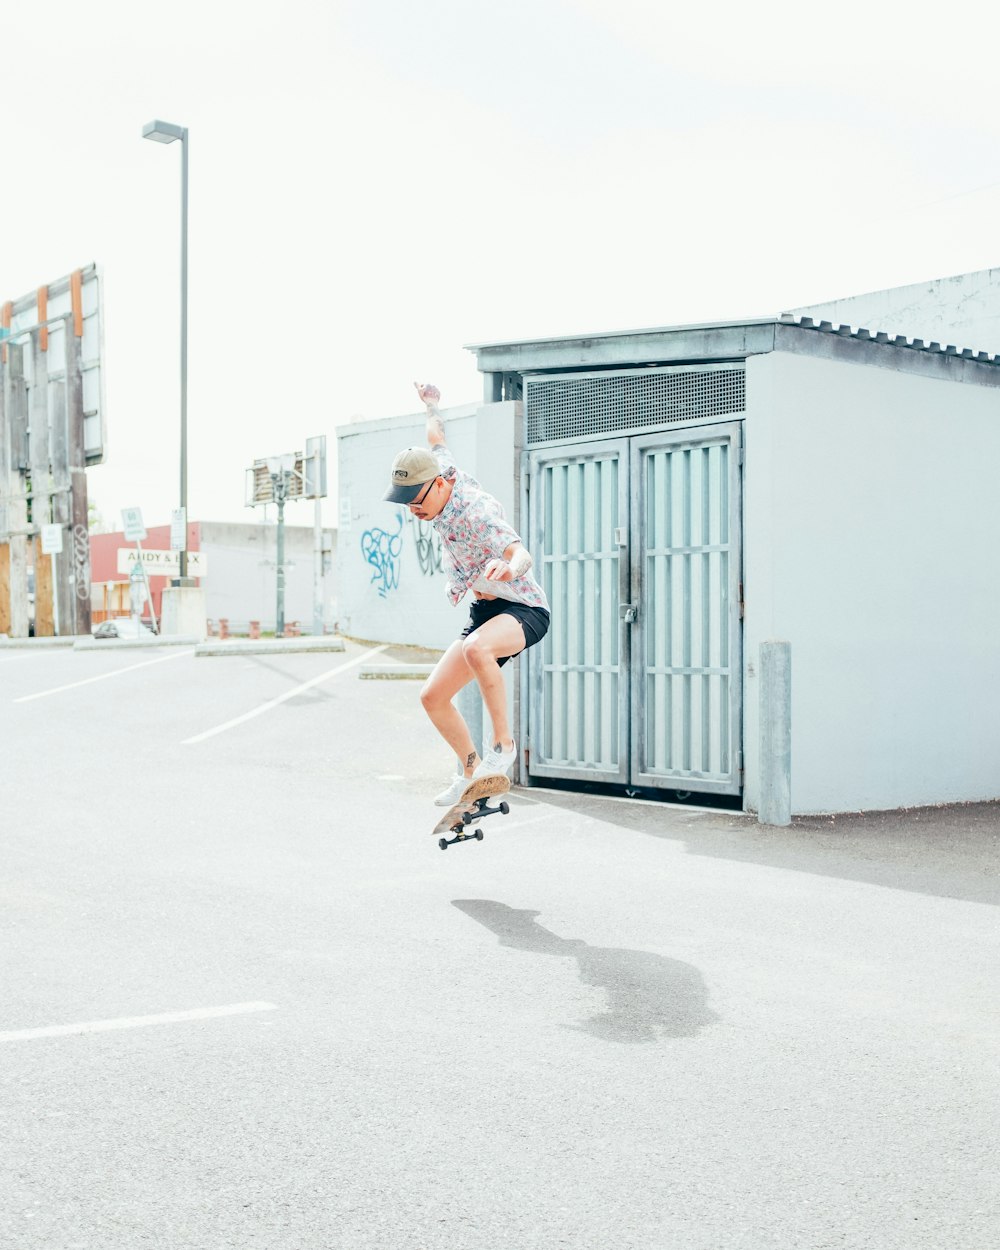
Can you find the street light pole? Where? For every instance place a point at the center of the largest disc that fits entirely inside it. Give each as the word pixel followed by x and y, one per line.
pixel 167 132
pixel 281 469
pixel 281 493
pixel 184 349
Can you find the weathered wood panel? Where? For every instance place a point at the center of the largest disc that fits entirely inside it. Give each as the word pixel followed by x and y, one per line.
pixel 4 588
pixel 44 618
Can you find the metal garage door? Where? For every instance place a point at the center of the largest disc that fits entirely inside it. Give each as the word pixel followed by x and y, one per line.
pixel 637 544
pixel 685 662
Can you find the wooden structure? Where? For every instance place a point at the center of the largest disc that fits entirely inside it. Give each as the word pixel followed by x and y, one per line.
pixel 51 429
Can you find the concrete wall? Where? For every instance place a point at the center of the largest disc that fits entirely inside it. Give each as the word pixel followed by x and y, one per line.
pixel 389 587
pixel 241 583
pixel 963 310
pixel 871 535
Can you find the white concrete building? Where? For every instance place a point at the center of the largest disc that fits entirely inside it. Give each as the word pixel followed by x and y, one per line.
pixel 388 563
pixel 963 310
pixel 242 581
pixel 691 492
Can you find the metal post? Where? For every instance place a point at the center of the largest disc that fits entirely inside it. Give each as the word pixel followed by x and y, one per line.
pixel 280 488
pixel 775 733
pixel 184 344
pixel 318 568
pixel 55 593
pixel 167 132
pixel 469 702
pixel 146 586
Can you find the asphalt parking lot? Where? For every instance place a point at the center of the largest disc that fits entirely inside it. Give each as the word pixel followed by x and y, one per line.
pixel 247 1001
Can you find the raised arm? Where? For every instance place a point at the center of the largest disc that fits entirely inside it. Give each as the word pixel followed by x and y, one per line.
pixel 430 397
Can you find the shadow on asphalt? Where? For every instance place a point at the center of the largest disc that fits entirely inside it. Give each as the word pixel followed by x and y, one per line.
pixel 649 996
pixel 947 852
pixel 315 694
pixel 319 694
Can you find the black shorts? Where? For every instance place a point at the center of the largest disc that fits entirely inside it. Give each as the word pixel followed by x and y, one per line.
pixel 534 621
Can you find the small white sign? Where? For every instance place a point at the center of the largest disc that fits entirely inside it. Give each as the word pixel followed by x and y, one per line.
pixel 162 563
pixel 135 531
pixel 52 539
pixel 178 529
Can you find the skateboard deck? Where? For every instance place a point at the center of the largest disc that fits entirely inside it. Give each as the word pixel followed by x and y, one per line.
pixel 471 807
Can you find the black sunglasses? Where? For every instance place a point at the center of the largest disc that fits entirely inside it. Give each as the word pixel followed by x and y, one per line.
pixel 415 503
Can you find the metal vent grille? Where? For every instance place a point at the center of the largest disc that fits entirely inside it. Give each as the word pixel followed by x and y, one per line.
pixel 569 406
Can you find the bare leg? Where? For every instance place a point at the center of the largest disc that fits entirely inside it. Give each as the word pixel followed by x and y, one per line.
pixel 500 636
pixel 450 674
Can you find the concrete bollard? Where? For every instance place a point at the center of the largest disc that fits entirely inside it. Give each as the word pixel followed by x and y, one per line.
pixel 469 702
pixel 223 626
pixel 775 733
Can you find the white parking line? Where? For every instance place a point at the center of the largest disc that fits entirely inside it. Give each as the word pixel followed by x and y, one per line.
pixel 135 1022
pixel 26 698
pixel 282 698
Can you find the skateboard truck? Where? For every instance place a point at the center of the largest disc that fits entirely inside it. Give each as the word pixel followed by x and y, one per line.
pixel 480 809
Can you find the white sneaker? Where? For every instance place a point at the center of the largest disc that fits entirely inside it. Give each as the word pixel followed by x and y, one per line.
pixel 449 797
pixel 496 760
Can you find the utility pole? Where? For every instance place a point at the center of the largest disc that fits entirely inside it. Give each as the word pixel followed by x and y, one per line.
pixel 80 521
pixel 280 492
pixel 281 469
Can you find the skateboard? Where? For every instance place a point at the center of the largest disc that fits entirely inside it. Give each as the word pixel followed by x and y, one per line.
pixel 472 806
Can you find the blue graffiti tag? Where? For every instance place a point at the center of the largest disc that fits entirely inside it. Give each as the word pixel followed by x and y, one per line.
pixel 428 544
pixel 381 550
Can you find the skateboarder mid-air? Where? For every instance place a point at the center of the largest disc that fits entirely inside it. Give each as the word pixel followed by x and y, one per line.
pixel 509 611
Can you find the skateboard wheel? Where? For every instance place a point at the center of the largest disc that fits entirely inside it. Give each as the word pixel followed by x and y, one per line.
pixel 504 808
pixel 479 835
pixel 467 818
pixel 443 843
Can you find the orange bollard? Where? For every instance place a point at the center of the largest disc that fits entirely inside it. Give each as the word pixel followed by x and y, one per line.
pixel 255 629
pixel 223 626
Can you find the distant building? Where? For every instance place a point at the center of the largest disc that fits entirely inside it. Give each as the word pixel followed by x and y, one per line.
pixel 240 582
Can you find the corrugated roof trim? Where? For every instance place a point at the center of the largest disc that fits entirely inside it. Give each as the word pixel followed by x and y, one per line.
pixel 894 340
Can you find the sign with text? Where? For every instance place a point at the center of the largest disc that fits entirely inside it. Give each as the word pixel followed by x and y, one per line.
pixel 52 540
pixel 135 531
pixel 162 563
pixel 178 529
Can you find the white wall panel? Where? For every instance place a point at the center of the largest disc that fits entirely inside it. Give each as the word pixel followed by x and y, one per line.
pixel 389 588
pixel 872 534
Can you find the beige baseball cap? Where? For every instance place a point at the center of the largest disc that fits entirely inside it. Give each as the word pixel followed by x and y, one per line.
pixel 414 467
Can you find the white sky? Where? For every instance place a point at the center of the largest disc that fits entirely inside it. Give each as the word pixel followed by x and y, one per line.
pixel 375 183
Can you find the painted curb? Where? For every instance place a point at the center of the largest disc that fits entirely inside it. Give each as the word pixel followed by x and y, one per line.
pixel 396 672
pixel 268 646
pixel 135 644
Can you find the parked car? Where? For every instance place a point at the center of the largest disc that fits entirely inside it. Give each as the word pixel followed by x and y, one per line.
pixel 123 627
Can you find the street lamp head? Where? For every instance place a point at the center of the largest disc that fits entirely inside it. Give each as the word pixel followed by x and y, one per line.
pixel 162 132
pixel 277 465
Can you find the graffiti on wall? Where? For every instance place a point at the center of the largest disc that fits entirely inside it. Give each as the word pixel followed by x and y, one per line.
pixel 381 550
pixel 81 561
pixel 428 544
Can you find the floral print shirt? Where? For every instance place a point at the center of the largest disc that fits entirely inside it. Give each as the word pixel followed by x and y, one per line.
pixel 473 531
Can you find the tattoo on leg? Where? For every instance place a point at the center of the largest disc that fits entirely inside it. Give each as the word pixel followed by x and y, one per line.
pixel 470 760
